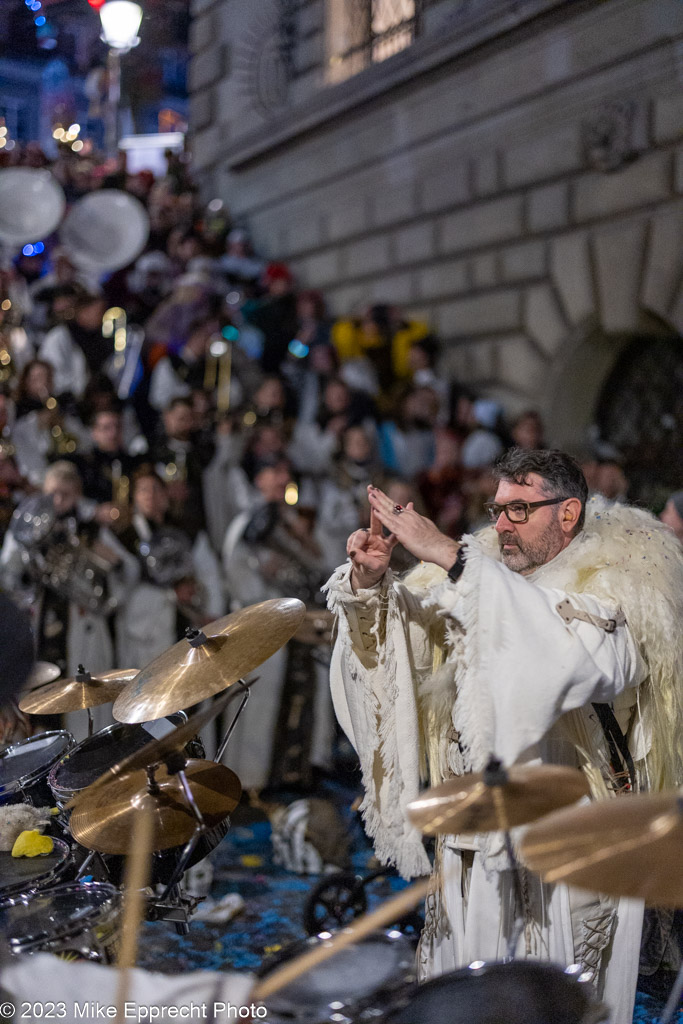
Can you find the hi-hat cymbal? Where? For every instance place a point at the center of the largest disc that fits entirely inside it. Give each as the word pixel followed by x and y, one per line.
pixel 42 672
pixel 155 751
pixel 84 691
pixel 224 651
pixel 469 804
pixel 628 846
pixel 105 822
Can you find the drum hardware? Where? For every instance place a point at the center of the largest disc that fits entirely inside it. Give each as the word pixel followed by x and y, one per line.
pixel 187 796
pixel 155 752
pixel 231 728
pixel 209 660
pixel 83 692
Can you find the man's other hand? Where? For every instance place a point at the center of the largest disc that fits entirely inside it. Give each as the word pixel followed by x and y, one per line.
pixel 369 552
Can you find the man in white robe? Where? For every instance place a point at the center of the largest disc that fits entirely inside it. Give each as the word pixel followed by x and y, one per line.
pixel 432 675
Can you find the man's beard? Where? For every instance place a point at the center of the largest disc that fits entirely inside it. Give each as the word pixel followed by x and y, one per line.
pixel 529 555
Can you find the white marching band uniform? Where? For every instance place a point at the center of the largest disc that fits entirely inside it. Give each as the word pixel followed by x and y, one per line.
pixel 430 678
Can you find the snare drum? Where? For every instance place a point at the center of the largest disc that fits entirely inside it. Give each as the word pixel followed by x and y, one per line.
pixel 24 876
pixel 25 767
pixel 518 992
pixel 96 754
pixel 80 918
pixel 358 983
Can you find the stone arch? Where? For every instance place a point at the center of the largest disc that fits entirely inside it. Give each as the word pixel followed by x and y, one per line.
pixel 607 284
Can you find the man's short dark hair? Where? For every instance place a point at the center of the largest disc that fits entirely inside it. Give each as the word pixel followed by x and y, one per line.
pixel 561 474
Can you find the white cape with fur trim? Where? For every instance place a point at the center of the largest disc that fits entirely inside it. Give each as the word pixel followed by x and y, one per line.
pixel 519 672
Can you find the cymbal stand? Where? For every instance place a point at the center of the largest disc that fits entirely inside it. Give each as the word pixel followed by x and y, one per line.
pixel 172 765
pixel 91 722
pixel 495 777
pixel 231 727
pixel 673 1000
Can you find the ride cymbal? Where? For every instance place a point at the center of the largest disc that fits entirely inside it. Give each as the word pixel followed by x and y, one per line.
pixel 105 822
pixel 83 691
pixel 155 751
pixel 628 846
pixel 209 660
pixel 471 803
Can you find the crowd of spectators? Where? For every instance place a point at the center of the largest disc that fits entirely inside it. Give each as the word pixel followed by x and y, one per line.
pixel 246 396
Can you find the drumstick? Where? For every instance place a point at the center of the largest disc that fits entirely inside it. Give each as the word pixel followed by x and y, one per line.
pixel 136 878
pixel 384 915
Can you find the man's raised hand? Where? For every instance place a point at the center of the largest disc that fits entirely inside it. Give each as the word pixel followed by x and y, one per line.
pixel 418 534
pixel 369 551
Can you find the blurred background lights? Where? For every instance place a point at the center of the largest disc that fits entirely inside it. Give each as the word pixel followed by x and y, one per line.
pixel 40 20
pixel 291 494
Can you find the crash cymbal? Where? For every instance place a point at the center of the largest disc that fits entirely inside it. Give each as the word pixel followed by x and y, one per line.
pixel 221 653
pixel 42 672
pixel 155 751
pixel 105 822
pixel 469 804
pixel 83 691
pixel 628 846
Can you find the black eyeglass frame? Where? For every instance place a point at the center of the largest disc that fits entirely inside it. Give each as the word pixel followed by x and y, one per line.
pixel 529 506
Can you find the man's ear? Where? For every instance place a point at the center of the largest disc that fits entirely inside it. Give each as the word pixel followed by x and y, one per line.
pixel 570 514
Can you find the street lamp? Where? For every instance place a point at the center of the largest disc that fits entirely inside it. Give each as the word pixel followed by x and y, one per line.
pixel 120 23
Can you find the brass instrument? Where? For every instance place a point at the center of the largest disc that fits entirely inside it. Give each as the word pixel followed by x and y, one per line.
pixel 55 557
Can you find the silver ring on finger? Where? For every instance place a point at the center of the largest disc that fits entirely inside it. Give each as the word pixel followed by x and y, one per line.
pixel 397 509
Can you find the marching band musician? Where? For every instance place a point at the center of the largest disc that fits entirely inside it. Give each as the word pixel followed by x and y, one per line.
pixel 269 552
pixel 180 583
pixel 70 630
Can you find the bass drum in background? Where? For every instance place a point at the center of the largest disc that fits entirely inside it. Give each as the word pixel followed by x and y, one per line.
pixel 32 204
pixel 519 992
pixel 105 230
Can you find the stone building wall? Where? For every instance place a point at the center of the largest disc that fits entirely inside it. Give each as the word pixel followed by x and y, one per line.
pixel 515 176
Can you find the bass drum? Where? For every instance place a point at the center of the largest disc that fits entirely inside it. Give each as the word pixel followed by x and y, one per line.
pixel 518 992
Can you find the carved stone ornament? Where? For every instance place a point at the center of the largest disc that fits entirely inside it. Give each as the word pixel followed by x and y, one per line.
pixel 608 136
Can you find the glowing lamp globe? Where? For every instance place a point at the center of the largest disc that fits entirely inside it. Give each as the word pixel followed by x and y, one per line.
pixel 120 23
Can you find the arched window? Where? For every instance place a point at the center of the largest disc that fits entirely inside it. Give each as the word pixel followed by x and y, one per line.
pixel 640 413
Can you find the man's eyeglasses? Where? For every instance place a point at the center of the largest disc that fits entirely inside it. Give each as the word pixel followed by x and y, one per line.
pixel 517 511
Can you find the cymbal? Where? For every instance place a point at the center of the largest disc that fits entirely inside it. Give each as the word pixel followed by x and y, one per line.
pixel 76 694
pixel 196 668
pixel 316 628
pixel 155 751
pixel 105 822
pixel 42 672
pixel 628 846
pixel 468 804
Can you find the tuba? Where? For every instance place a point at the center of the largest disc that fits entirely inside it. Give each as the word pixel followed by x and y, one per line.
pixel 105 231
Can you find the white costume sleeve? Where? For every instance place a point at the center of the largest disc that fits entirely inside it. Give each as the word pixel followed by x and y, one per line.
pixel 522 665
pixel 381 653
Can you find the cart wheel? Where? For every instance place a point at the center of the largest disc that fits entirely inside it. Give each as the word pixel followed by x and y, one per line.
pixel 334 902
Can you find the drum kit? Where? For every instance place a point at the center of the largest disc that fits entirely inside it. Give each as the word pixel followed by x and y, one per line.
pixel 69 900
pixel 108 784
